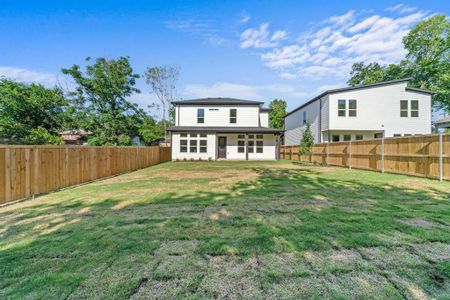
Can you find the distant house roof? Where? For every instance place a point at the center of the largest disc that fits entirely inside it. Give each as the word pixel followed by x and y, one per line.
pixel 224 129
pixel 217 101
pixel 265 109
pixel 445 122
pixel 351 88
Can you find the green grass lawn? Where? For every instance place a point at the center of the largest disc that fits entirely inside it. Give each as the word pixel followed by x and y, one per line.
pixel 202 230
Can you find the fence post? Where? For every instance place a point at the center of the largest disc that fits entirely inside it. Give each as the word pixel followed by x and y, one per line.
pixel 440 157
pixel 292 151
pixel 326 158
pixel 382 155
pixel 350 155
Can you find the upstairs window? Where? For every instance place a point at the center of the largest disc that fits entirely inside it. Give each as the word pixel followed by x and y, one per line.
pixel 200 115
pixel 404 108
pixel 341 108
pixel 414 108
pixel 233 116
pixel 304 118
pixel 352 108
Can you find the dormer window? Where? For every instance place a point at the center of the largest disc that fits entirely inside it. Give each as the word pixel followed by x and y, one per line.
pixel 200 115
pixel 233 116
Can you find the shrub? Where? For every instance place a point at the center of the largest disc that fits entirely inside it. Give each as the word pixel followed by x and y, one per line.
pixel 307 141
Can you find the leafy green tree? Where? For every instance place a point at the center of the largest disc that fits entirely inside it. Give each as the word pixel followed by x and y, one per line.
pixel 427 61
pixel 151 131
pixel 102 92
pixel 31 114
pixel 428 58
pixel 277 113
pixel 307 141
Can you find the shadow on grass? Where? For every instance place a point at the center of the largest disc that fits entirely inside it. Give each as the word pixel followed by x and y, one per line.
pixel 48 250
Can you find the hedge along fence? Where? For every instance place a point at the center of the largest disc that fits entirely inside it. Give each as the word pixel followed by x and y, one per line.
pixel 31 170
pixel 426 155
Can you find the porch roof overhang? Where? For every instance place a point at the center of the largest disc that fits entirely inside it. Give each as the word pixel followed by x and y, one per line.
pixel 225 129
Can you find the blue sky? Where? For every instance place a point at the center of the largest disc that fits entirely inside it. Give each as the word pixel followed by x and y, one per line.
pixel 246 49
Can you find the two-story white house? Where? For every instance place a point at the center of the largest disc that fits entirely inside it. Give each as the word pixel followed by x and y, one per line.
pixel 386 109
pixel 222 128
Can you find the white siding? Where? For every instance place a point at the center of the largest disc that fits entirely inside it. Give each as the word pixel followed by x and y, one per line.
pixel 269 149
pixel 219 116
pixel 294 125
pixel 378 110
pixel 211 148
pixel 264 119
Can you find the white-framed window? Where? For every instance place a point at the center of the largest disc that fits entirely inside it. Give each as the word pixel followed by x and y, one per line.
pixel 359 137
pixel 193 146
pixel 200 115
pixel 259 146
pixel 335 138
pixel 183 146
pixel 251 146
pixel 241 146
pixel 397 134
pixel 352 108
pixel 193 142
pixel 233 115
pixel 203 146
pixel 304 118
pixel 403 108
pixel 341 108
pixel 414 108
pixel 347 137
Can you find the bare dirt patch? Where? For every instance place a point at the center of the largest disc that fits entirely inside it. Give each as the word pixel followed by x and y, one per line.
pixel 231 278
pixel 418 222
pixel 434 252
pixel 388 258
pixel 336 260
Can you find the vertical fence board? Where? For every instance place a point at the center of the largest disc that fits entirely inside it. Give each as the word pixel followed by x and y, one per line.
pixel 418 155
pixel 32 170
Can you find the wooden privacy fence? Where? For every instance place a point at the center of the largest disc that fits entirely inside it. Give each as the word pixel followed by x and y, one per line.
pixel 30 170
pixel 426 155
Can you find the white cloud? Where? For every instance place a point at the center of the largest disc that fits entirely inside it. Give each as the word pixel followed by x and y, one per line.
pixel 329 48
pixel 28 76
pixel 205 30
pixel 244 18
pixel 241 91
pixel 401 8
pixel 261 37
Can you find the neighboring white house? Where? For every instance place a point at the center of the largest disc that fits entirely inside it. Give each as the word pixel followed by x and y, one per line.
pixel 385 109
pixel 222 128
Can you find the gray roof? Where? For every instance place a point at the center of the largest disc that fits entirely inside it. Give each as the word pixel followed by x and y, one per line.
pixel 443 121
pixel 217 101
pixel 265 109
pixel 224 129
pixel 350 88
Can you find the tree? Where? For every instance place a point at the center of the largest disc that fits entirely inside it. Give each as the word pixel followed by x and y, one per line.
pixel 307 141
pixel 102 92
pixel 162 80
pixel 277 113
pixel 151 131
pixel 428 58
pixel 427 61
pixel 31 114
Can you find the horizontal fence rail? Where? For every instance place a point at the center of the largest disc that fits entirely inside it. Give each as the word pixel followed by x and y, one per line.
pixel 426 155
pixel 31 170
